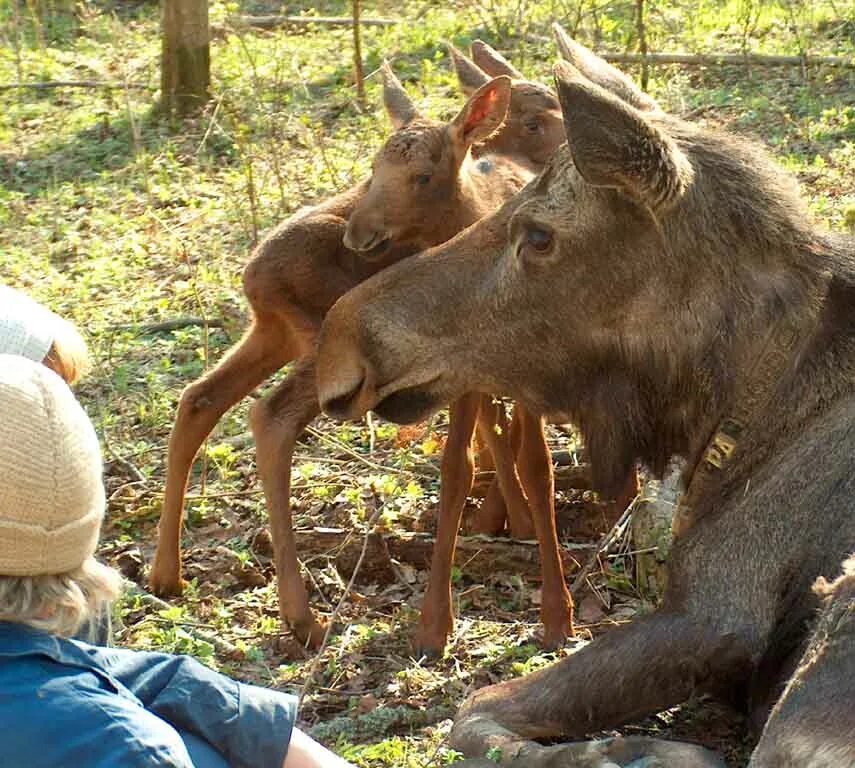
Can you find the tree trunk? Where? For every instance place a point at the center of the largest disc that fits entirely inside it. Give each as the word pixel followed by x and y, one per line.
pixel 641 29
pixel 358 73
pixel 186 57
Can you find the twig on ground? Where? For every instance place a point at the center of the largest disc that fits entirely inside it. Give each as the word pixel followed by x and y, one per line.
pixel 220 645
pixel 165 326
pixel 358 456
pixel 602 548
pixel 131 468
pixel 313 667
pixel 372 432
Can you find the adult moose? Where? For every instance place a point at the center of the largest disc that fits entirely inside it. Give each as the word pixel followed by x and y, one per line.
pixel 298 272
pixel 660 285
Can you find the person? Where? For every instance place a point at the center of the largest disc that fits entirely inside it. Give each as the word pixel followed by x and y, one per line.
pixel 31 330
pixel 65 703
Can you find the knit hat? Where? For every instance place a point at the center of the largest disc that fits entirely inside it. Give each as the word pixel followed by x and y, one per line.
pixel 26 327
pixel 51 492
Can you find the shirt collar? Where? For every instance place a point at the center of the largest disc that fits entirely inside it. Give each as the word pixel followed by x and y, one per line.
pixel 18 640
pixel 21 641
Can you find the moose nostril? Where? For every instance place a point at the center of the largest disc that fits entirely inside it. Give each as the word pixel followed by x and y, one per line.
pixel 362 241
pixel 342 406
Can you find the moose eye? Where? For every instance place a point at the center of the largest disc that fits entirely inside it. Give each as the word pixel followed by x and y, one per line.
pixel 532 126
pixel 423 179
pixel 539 239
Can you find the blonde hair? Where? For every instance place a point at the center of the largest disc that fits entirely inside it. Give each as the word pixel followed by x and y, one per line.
pixel 68 356
pixel 59 604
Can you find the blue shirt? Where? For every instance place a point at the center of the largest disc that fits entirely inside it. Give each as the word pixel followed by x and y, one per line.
pixel 67 704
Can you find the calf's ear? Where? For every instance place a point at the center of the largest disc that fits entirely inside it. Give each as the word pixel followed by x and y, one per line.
pixel 492 62
pixel 470 76
pixel 399 106
pixel 599 71
pixel 482 114
pixel 615 145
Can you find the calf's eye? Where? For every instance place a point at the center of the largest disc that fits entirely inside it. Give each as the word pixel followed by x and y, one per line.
pixel 532 126
pixel 423 179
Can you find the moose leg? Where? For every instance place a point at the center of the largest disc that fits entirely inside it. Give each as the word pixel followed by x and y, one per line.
pixel 458 471
pixel 519 515
pixel 493 514
pixel 534 463
pixel 277 423
pixel 261 352
pixel 636 670
pixel 601 753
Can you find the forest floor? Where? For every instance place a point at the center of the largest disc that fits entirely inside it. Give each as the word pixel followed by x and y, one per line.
pixel 121 220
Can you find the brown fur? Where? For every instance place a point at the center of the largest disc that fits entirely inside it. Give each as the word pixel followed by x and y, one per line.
pixel 294 277
pixel 428 166
pixel 534 111
pixel 632 289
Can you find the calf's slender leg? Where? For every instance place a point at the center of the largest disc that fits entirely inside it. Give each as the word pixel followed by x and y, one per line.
pixel 534 463
pixel 263 350
pixel 493 514
pixel 457 474
pixel 277 422
pixel 519 515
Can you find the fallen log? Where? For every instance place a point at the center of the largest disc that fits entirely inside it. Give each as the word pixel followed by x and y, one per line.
pixel 566 478
pixel 380 722
pixel 43 85
pixel 479 557
pixel 716 59
pixel 275 22
pixel 750 59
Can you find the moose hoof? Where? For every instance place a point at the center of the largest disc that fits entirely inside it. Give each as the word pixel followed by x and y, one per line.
pixel 310 633
pixel 475 733
pixel 429 644
pixel 166 586
pixel 556 637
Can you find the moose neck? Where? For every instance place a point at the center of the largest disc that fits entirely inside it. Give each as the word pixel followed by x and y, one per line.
pixel 656 398
pixel 769 372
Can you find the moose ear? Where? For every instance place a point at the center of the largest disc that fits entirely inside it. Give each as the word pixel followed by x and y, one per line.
pixel 399 106
pixel 483 113
pixel 615 145
pixel 469 74
pixel 492 62
pixel 599 71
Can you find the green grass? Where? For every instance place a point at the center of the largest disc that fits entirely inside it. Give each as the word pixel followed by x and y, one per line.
pixel 115 217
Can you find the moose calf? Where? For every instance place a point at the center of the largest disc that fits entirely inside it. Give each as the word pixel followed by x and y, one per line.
pixel 430 181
